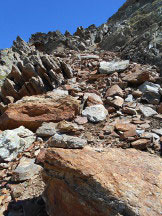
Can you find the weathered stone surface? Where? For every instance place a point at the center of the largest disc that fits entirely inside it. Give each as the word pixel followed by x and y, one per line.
pixel 26 169
pixel 14 141
pixel 117 102
pixel 111 67
pixel 32 111
pixel 151 92
pixel 129 111
pixel 81 120
pixel 147 111
pixel 114 182
pixel 67 70
pixel 46 129
pixel 149 135
pixel 122 126
pixel 138 77
pixel 67 142
pixel 141 144
pixel 92 99
pixel 68 127
pixel 95 113
pixel 115 90
pixel 158 131
pixel 137 93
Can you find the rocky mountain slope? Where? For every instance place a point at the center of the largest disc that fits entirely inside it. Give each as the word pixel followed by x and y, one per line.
pixel 136 31
pixel 81 119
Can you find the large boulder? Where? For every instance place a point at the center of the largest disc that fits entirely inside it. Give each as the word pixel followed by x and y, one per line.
pixel 109 183
pixel 32 111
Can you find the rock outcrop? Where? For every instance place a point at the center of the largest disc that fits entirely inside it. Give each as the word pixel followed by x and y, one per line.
pixel 135 31
pixel 36 74
pixel 114 182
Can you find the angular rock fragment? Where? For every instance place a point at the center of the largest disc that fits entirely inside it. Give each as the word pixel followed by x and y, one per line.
pixel 92 99
pixel 26 169
pixel 46 129
pixel 115 90
pixel 129 98
pixel 129 111
pixel 67 70
pixel 122 126
pixel 67 142
pixel 111 67
pixel 117 102
pixel 68 127
pixel 14 141
pixel 141 144
pixel 151 92
pixel 137 78
pixel 147 111
pixel 158 131
pixel 95 113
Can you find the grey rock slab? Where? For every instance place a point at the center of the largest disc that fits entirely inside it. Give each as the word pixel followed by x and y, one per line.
pixel 151 92
pixel 82 57
pixel 15 141
pixel 147 111
pixel 111 67
pixel 149 135
pixel 96 113
pixel 67 70
pixel 148 86
pixel 158 131
pixel 46 129
pixel 67 142
pixel 26 170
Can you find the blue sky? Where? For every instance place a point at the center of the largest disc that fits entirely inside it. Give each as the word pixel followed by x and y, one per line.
pixel 25 17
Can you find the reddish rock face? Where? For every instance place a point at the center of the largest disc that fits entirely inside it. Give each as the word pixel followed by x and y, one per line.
pixel 125 126
pixel 141 144
pixel 137 77
pixel 32 111
pixel 113 182
pixel 115 90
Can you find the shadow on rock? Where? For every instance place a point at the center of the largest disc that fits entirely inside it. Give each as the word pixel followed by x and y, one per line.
pixel 28 207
